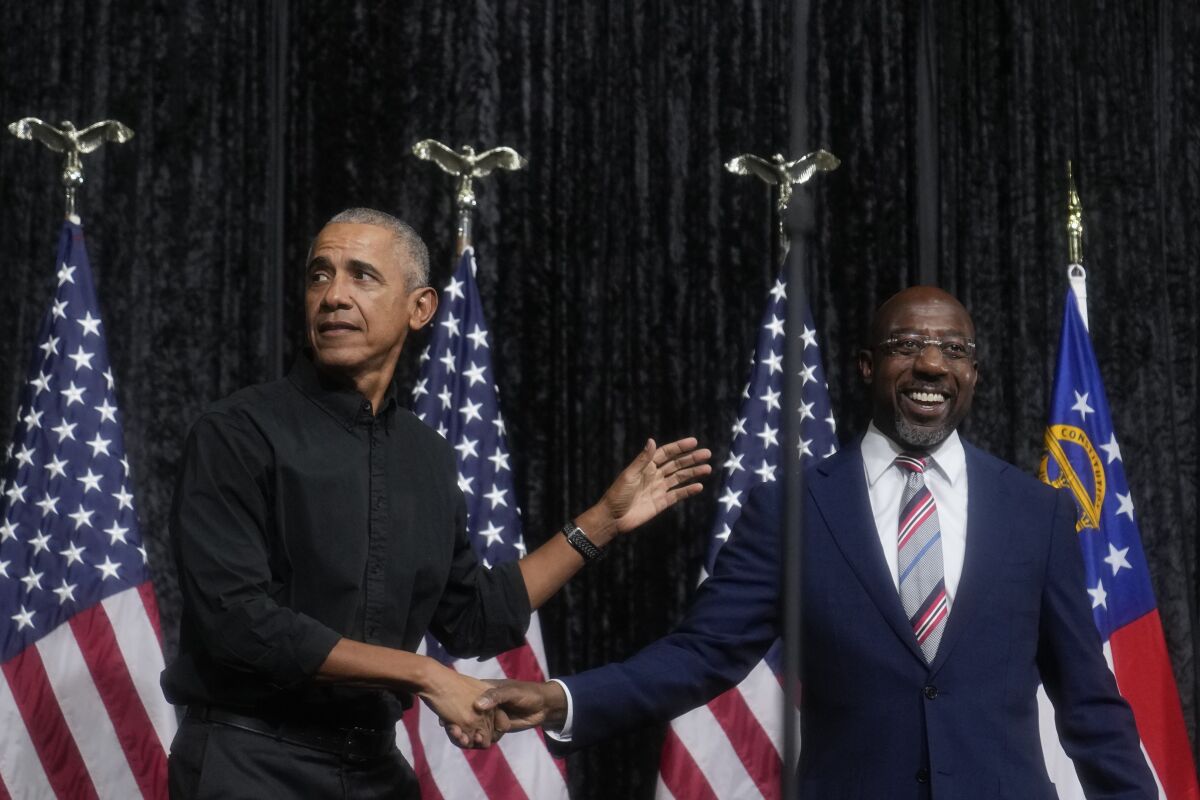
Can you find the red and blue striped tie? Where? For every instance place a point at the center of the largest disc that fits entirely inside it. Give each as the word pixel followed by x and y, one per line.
pixel 922 575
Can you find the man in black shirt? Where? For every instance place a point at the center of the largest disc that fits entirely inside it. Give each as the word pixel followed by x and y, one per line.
pixel 319 533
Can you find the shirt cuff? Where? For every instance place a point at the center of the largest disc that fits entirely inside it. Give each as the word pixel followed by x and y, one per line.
pixel 564 735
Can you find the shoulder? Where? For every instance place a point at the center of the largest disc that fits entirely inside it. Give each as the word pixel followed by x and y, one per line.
pixel 994 473
pixel 423 437
pixel 243 412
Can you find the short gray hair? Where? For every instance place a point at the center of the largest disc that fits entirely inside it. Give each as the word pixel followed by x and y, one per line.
pixel 408 242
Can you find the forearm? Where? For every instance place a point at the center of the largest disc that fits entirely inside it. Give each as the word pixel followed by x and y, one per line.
pixel 371 665
pixel 546 569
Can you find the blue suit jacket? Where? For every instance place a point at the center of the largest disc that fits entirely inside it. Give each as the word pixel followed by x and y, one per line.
pixel 874 714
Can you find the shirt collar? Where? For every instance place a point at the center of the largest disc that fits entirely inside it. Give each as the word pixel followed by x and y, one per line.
pixel 879 453
pixel 343 403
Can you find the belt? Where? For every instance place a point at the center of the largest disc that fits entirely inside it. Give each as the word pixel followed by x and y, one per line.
pixel 351 743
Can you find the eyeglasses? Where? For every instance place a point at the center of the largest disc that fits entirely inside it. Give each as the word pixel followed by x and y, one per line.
pixel 911 345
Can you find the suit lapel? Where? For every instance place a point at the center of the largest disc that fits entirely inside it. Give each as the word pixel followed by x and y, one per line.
pixel 985 548
pixel 840 493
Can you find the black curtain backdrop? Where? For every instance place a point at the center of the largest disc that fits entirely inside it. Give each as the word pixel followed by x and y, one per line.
pixel 624 271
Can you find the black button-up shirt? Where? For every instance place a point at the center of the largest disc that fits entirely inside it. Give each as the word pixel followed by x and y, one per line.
pixel 301 518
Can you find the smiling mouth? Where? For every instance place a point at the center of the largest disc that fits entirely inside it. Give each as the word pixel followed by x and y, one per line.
pixel 925 400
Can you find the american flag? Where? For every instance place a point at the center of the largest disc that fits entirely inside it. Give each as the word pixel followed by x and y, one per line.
pixel 456 394
pixel 1083 453
pixel 731 747
pixel 81 712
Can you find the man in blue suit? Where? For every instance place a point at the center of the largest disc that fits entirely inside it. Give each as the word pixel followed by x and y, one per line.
pixel 940 586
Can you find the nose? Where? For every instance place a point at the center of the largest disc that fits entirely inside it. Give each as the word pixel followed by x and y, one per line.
pixel 930 361
pixel 336 293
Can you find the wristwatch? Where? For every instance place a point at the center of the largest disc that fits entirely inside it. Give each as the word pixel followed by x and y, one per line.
pixel 577 539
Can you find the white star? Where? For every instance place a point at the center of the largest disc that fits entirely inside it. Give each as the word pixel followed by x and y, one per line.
pixel 73 553
pixel 832 422
pixel 450 323
pixel 448 360
pixel 441 430
pixel 766 472
pixel 48 504
pixel 8 530
pixel 1116 558
pixel 66 275
pixel 803 448
pixel 730 499
pixel 809 336
pixel 767 434
pixel 125 464
pixel 746 388
pixel 33 419
pixel 775 326
pixel 424 355
pixel 496 495
pixel 4 568
pixel 466 448
pixel 464 484
pixel 420 389
pixel 82 360
pixel 73 394
pixel 771 398
pixel 40 384
pixel 499 423
pixel 60 309
pixel 56 466
pixel 739 427
pixel 40 542
pixel 499 460
pixel 90 324
pixel 1125 504
pixel 33 580
pixel 734 462
pixel 779 290
pixel 142 552
pixel 99 446
pixel 108 378
pixel 470 411
pixel 475 373
pixel 519 546
pixel 807 375
pixel 446 397
pixel 65 592
pixel 16 493
pixel 1081 404
pixel 124 499
pixel 723 534
pixel 832 450
pixel 1112 449
pixel 50 346
pixel 25 457
pixel 65 430
pixel 806 410
pixel 24 619
pixel 454 288
pixel 82 517
pixel 1099 596
pixel 492 533
pixel 108 569
pixel 116 534
pixel 774 363
pixel 478 337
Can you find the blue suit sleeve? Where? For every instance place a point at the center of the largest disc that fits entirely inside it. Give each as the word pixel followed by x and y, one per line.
pixel 1094 722
pixel 728 629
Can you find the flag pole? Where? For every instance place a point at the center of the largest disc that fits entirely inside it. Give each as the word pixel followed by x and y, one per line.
pixel 72 143
pixel 466 165
pixel 1076 274
pixel 778 171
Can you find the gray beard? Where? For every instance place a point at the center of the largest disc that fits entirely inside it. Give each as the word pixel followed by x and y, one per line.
pixel 912 436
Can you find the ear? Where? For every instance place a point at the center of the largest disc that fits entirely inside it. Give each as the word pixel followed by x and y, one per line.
pixel 866 366
pixel 423 304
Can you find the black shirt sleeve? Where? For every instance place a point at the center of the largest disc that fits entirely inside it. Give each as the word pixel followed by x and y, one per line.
pixel 218 529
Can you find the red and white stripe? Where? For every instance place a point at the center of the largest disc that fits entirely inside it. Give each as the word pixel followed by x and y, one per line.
pixel 81 713
pixel 519 767
pixel 933 617
pixel 924 510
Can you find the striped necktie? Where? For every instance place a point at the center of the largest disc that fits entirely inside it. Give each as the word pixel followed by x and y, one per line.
pixel 919 543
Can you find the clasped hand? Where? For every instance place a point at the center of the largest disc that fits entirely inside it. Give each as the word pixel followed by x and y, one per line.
pixel 510 706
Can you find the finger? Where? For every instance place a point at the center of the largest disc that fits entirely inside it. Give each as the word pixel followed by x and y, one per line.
pixel 681 493
pixel 685 475
pixel 682 462
pixel 670 451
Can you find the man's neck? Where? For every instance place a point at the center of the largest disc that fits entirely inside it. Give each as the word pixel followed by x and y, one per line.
pixel 370 383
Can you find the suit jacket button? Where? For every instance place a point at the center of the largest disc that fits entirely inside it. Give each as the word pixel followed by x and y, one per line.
pixel 930 692
pixel 922 775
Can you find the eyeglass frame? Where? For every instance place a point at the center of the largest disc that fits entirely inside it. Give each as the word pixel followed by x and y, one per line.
pixel 925 342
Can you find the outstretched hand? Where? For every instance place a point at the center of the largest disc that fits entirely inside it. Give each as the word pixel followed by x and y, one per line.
pixel 654 481
pixel 452 697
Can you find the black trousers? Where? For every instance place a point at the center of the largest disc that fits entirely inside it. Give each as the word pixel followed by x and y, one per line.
pixel 210 760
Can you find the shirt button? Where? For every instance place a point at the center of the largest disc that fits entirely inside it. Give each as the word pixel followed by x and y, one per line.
pixel 931 692
pixel 922 775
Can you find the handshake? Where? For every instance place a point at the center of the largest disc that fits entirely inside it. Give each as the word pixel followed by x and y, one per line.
pixel 475 713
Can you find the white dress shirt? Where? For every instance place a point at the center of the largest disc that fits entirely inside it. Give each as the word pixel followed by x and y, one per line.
pixel 946 478
pixel 947 482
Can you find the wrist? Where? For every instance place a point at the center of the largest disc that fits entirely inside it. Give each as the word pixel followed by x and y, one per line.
pixel 554 700
pixel 598 524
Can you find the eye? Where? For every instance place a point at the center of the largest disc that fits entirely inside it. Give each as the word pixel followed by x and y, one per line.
pixel 317 277
pixel 363 275
pixel 954 349
pixel 908 345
